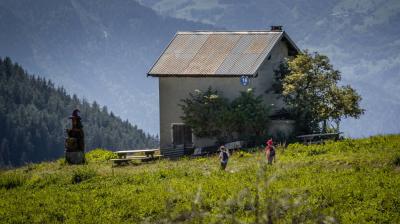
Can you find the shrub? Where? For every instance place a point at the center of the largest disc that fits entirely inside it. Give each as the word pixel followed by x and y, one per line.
pixel 397 160
pixel 100 155
pixel 82 174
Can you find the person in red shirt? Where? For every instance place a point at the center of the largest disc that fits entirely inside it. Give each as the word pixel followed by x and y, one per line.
pixel 270 151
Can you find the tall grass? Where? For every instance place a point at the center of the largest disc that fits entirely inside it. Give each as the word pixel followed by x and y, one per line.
pixel 352 181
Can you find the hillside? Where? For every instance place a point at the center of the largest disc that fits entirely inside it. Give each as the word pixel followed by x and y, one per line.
pixel 34 115
pixel 352 181
pixel 98 48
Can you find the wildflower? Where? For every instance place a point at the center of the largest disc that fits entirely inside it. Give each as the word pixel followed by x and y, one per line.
pixel 213 96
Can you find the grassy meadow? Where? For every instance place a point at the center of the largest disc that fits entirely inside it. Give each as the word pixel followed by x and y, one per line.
pixel 351 181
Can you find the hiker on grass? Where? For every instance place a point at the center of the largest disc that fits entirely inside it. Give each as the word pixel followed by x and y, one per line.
pixel 270 151
pixel 224 157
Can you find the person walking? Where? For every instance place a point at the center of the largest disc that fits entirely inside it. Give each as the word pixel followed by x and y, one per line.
pixel 224 157
pixel 270 151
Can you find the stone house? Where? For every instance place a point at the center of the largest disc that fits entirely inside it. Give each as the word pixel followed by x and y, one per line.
pixel 228 61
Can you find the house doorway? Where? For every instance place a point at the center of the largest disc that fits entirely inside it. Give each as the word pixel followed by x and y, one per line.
pixel 182 136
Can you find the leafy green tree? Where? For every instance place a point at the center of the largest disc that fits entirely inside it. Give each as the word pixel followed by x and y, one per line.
pixel 209 114
pixel 250 115
pixel 205 112
pixel 309 85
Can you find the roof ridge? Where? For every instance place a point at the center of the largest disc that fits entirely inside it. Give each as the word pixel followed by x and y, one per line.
pixel 227 31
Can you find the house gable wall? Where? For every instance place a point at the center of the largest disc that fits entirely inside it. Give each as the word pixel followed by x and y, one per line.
pixel 265 77
pixel 173 89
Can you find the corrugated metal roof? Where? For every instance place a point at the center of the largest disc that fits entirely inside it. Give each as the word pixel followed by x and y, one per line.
pixel 222 53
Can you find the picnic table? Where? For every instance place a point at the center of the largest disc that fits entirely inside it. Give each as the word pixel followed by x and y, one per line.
pixel 125 156
pixel 318 138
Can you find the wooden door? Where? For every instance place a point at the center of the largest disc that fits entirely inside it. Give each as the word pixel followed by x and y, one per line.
pixel 181 134
pixel 187 133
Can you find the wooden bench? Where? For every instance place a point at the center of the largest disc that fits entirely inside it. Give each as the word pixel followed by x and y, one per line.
pixel 120 161
pixel 126 156
pixel 150 158
pixel 318 138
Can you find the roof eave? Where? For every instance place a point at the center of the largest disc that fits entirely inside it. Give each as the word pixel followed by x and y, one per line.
pixel 269 53
pixel 284 35
pixel 162 54
pixel 201 75
pixel 291 42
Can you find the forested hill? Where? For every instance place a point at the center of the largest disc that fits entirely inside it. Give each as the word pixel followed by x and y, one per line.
pixel 34 115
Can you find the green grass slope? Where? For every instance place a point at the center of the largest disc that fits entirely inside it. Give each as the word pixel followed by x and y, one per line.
pixel 352 181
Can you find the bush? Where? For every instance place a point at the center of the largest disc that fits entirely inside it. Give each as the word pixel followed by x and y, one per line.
pixel 100 155
pixel 82 174
pixel 397 160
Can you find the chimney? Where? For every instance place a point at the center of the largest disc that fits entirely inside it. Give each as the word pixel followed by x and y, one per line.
pixel 276 28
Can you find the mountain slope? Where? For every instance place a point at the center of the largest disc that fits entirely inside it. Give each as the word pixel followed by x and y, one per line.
pixel 33 117
pixel 101 50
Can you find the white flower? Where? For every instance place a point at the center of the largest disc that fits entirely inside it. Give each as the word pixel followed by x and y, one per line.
pixel 213 96
pixel 249 90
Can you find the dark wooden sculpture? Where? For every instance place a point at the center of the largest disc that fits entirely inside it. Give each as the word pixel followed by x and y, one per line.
pixel 75 142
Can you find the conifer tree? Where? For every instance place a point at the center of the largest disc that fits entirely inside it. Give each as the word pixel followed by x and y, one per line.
pixel 34 114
